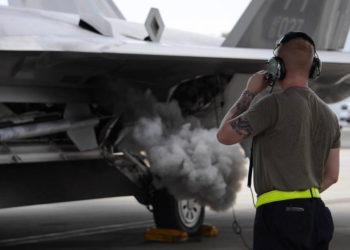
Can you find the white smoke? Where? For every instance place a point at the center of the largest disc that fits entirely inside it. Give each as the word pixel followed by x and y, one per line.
pixel 188 160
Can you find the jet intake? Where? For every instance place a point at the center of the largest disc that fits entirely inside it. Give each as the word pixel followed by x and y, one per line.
pixel 195 95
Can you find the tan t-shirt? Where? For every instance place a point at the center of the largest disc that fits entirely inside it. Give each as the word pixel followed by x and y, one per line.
pixel 295 131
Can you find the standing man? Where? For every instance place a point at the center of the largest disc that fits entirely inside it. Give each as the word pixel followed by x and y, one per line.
pixel 295 148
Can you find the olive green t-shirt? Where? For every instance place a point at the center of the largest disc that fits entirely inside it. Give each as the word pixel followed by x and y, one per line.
pixel 295 131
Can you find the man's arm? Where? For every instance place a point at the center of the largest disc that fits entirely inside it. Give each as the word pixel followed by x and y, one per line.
pixel 235 127
pixel 331 173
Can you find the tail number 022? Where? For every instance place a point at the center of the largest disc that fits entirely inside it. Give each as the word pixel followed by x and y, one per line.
pixel 282 25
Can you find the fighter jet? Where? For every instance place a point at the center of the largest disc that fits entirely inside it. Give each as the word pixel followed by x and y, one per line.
pixel 72 72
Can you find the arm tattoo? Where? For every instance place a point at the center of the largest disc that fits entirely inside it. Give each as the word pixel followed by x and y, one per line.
pixel 235 119
pixel 242 126
pixel 244 101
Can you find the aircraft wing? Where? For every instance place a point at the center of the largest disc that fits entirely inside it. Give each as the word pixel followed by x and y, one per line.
pixel 143 56
pixel 55 41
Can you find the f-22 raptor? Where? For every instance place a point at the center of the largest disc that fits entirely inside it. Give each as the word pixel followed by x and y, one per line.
pixel 66 70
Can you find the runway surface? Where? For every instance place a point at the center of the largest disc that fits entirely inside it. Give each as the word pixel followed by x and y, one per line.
pixel 120 223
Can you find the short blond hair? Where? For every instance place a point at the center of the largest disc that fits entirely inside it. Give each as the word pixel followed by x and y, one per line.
pixel 297 55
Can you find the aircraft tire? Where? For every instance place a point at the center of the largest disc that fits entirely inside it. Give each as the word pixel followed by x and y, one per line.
pixel 184 215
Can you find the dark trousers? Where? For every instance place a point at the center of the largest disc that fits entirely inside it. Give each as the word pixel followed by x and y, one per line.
pixel 300 224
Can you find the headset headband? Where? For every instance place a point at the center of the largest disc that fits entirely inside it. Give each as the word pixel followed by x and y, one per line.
pixel 293 35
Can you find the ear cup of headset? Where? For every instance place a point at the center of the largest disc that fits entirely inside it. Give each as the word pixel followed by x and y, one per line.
pixel 315 69
pixel 316 66
pixel 275 68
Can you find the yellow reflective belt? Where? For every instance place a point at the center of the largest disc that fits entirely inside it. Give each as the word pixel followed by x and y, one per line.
pixel 277 195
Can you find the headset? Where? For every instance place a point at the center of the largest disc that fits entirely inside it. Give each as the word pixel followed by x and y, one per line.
pixel 275 66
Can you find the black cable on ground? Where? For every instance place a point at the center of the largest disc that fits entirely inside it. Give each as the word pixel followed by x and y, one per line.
pixel 238 230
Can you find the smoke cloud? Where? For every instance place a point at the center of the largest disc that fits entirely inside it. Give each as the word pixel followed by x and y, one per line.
pixel 187 159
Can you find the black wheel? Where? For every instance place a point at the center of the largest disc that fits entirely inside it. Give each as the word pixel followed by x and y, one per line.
pixel 184 215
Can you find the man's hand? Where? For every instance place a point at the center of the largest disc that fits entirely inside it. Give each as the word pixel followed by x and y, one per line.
pixel 257 82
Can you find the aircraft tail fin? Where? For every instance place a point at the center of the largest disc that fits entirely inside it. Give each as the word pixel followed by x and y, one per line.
pixel 265 21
